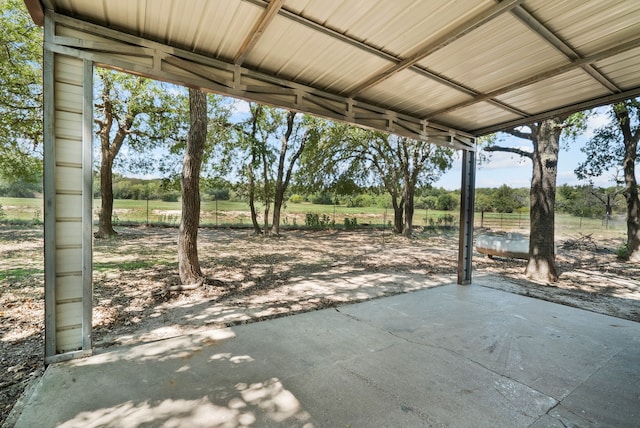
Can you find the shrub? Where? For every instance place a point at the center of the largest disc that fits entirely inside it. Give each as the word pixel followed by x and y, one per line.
pixel 170 196
pixel 623 252
pixel 312 220
pixel 296 199
pixel 350 223
pixel 220 194
pixel 315 220
pixel 362 201
pixel 322 199
pixel 446 202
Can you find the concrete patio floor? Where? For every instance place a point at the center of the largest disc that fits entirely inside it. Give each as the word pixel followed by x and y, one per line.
pixel 458 356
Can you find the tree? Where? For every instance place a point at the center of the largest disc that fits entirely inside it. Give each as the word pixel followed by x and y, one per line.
pixel 188 263
pixel 545 139
pixel 616 144
pixel 20 94
pixel 134 109
pixel 288 156
pixel 446 202
pixel 505 199
pixel 349 154
pixel 587 201
pixel 256 149
pixel 268 145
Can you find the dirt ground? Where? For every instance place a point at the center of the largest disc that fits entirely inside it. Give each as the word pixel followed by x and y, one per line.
pixel 252 279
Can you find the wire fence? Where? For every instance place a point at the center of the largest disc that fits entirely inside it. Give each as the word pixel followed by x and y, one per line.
pixel 155 213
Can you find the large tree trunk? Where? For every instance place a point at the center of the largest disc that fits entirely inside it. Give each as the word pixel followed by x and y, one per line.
pixel 282 180
pixel 252 199
pixel 188 263
pixel 109 152
pixel 267 191
pixel 398 215
pixel 408 197
pixel 633 219
pixel 278 200
pixel 631 184
pixel 105 219
pixel 546 140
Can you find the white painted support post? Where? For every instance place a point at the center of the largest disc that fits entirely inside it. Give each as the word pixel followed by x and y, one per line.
pixel 467 197
pixel 68 99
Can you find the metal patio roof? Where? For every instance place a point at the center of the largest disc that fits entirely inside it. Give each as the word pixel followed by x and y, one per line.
pixel 442 71
pixel 471 65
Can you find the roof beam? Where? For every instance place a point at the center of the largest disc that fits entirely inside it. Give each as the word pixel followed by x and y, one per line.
pixel 159 61
pixel 578 63
pixel 597 102
pixel 450 37
pixel 550 37
pixel 459 87
pixel 34 7
pixel 384 55
pixel 272 9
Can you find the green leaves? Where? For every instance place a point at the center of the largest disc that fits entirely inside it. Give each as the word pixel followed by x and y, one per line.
pixel 20 93
pixel 606 149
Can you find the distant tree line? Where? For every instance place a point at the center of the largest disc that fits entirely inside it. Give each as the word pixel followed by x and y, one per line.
pixel 577 200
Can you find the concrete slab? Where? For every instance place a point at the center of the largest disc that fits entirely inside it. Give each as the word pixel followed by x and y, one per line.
pixel 449 356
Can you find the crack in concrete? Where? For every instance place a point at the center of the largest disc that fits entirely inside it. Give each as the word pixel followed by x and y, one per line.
pixel 567 409
pixel 426 345
pixel 454 352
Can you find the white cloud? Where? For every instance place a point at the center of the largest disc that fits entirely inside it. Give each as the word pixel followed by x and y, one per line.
pixel 240 107
pixel 498 160
pixel 598 120
pixel 522 180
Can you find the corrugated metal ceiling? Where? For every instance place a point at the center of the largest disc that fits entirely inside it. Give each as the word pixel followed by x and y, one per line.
pixel 472 65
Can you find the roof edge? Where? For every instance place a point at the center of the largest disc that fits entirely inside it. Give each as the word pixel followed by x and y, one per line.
pixel 34 7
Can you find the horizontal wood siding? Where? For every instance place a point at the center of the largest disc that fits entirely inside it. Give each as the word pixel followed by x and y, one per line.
pixel 69 233
pixel 67 288
pixel 68 92
pixel 67 153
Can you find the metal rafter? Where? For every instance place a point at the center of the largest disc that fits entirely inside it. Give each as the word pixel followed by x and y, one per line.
pixel 271 10
pixel 460 87
pixel 578 63
pixel 609 99
pixel 450 37
pixel 554 40
pixel 284 12
pixel 126 52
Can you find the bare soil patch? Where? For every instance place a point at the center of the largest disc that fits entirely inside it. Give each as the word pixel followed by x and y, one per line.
pixel 252 279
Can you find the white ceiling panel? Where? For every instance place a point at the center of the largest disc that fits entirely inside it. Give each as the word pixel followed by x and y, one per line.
pixel 409 91
pixel 590 26
pixel 477 115
pixel 622 69
pixel 417 60
pixel 499 53
pixel 552 92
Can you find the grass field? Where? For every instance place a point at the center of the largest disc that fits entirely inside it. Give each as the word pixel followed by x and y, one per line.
pixel 229 213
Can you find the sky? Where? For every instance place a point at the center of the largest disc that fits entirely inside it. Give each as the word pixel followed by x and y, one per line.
pixel 504 168
pixel 514 171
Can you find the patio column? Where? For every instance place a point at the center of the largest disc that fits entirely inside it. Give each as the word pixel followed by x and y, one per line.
pixel 68 87
pixel 467 197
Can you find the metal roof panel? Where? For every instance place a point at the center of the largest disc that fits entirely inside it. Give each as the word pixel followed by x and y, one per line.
pixel 567 88
pixel 499 53
pixel 410 91
pixel 623 69
pixel 589 26
pixel 475 116
pixel 511 55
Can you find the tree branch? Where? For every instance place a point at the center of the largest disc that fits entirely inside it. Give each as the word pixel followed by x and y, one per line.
pixel 519 134
pixel 509 150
